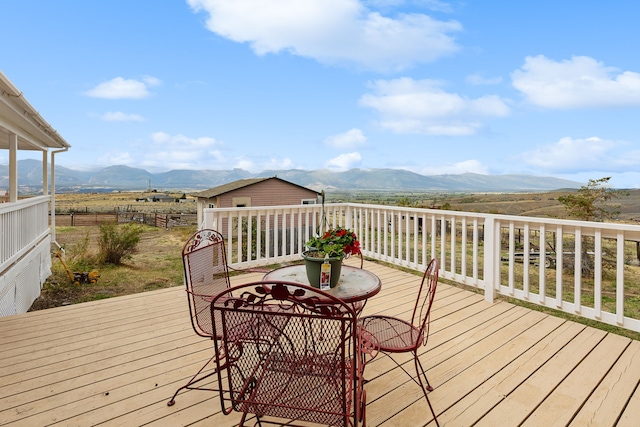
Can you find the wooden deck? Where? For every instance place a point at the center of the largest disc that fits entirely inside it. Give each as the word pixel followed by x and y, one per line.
pixel 117 361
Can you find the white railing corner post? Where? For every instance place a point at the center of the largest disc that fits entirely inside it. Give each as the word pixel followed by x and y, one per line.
pixel 491 247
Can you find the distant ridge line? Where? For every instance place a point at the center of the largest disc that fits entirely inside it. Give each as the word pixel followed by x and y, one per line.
pixel 121 177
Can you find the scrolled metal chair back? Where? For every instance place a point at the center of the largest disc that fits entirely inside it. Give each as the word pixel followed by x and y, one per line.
pixel 205 275
pixel 292 352
pixel 424 300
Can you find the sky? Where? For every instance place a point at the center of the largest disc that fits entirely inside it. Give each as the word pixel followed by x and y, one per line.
pixel 545 88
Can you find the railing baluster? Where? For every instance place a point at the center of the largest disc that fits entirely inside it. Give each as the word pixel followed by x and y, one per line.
pixel 577 268
pixel 620 278
pixel 597 275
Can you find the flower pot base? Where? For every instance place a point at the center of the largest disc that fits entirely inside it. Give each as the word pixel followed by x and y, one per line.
pixel 314 265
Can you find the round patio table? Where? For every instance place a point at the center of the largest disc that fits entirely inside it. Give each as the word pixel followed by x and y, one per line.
pixel 355 284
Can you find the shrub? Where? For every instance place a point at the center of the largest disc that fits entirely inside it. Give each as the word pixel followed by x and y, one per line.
pixel 117 242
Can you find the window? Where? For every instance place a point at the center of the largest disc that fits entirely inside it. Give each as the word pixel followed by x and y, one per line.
pixel 309 201
pixel 241 202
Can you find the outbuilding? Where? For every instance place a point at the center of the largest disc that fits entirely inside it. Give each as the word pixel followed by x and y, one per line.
pixel 271 191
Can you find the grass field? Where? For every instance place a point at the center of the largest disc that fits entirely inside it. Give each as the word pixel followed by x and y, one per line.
pixel 156 264
pixel 123 201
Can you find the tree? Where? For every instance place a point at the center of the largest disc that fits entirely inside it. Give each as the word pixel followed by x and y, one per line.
pixel 590 203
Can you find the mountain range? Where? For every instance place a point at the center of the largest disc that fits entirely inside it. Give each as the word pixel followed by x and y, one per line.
pixel 122 177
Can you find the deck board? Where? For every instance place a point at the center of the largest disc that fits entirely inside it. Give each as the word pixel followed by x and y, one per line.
pixel 116 362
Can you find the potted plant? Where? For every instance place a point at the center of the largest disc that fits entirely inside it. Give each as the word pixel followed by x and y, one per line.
pixel 333 245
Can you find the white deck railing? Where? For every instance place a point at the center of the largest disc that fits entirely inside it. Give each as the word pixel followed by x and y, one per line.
pixel 22 224
pixel 25 259
pixel 498 254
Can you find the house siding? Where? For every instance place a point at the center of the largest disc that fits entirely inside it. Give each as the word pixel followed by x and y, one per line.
pixel 267 192
pixel 271 192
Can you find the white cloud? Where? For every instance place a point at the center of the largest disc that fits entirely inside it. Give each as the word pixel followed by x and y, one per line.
pixel 581 82
pixel 118 116
pixel 572 155
pixel 247 165
pixel 344 161
pixel 163 151
pixel 182 152
pixel 120 88
pixel 116 158
pixel 278 164
pixel 331 31
pixel 406 105
pixel 255 166
pixel 349 139
pixel 466 166
pixel 478 80
pixel 436 5
pixel 182 141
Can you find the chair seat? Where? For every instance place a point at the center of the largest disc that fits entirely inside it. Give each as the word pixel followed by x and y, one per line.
pixel 394 335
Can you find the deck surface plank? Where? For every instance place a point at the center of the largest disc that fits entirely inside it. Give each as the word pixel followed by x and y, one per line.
pixel 116 362
pixel 612 394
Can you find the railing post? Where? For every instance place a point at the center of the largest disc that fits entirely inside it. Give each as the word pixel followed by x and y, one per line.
pixel 491 247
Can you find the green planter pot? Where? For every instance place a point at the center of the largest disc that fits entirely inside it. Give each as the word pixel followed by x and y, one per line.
pixel 314 265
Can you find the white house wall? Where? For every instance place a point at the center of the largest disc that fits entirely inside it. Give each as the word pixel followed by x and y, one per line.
pixel 20 286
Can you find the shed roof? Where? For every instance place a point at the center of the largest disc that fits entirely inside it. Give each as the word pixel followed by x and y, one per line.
pixel 241 183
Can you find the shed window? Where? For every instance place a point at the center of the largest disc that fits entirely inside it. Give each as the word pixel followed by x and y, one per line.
pixel 240 202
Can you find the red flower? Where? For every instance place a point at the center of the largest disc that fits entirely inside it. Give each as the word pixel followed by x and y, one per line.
pixel 336 242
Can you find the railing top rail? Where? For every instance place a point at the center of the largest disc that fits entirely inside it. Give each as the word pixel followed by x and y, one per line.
pixel 347 205
pixel 23 203
pixel 263 208
pixel 516 219
pixel 585 225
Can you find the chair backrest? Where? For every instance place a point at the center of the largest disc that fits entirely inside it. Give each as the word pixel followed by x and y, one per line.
pixel 424 300
pixel 290 353
pixel 205 275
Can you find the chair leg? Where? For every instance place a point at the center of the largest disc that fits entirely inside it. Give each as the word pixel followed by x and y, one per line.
pixel 363 409
pixel 194 380
pixel 417 360
pixel 428 388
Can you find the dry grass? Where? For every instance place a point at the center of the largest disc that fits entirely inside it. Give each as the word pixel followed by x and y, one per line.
pixel 156 264
pixel 122 202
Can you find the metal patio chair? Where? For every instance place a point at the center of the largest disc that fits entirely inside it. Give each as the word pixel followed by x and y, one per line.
pixel 301 362
pixel 205 275
pixel 398 336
